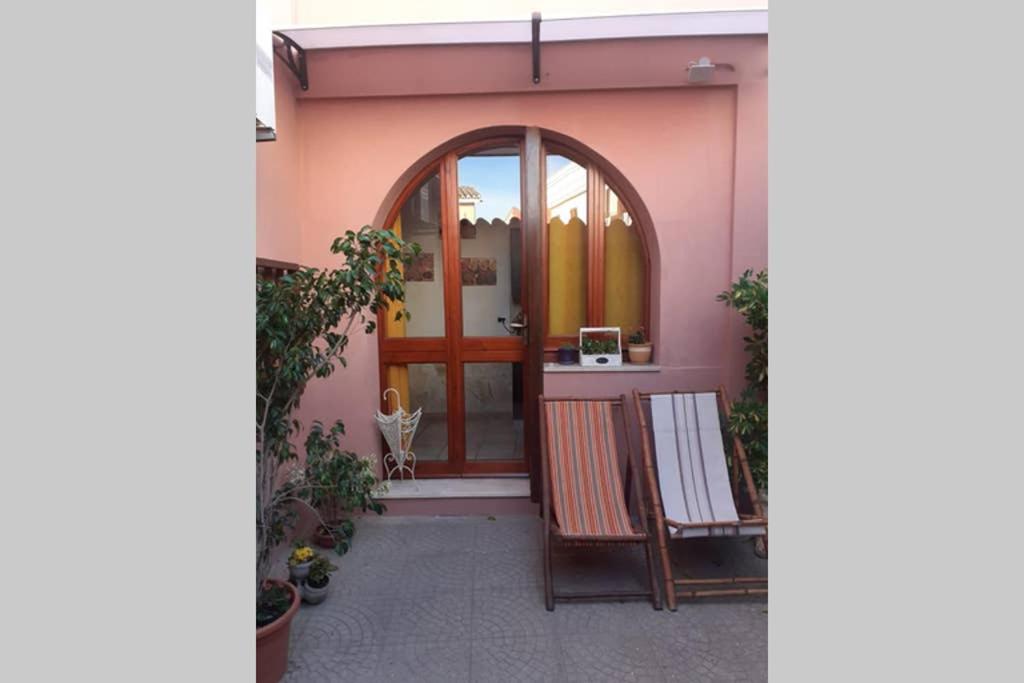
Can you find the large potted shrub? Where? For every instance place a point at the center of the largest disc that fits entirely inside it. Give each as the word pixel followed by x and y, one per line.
pixel 303 322
pixel 749 418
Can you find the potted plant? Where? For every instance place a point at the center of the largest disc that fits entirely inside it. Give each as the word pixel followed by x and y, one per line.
pixel 303 322
pixel 276 606
pixel 640 347
pixel 566 354
pixel 299 562
pixel 340 483
pixel 314 591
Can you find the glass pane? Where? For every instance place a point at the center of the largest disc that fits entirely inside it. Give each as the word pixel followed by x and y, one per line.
pixel 494 411
pixel 624 268
pixel 420 221
pixel 423 385
pixel 490 242
pixel 566 193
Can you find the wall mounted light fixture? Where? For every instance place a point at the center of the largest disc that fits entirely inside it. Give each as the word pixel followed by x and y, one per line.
pixel 702 70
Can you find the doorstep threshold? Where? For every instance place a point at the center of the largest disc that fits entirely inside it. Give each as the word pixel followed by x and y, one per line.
pixel 467 487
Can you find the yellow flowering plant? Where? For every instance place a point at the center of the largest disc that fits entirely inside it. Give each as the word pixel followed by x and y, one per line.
pixel 300 555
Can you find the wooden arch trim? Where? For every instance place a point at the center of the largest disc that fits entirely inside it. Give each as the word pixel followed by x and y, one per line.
pixel 430 162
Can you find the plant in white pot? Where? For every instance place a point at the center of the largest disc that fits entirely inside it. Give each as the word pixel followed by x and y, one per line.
pixel 640 347
pixel 299 562
pixel 314 591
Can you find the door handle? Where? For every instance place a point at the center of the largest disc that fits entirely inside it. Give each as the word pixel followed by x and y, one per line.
pixel 512 328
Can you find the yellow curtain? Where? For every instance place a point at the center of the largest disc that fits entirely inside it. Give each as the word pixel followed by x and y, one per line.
pixel 397 376
pixel 623 277
pixel 567 276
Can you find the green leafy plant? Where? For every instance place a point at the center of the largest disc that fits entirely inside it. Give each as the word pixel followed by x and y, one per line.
pixel 639 337
pixel 749 296
pixel 271 603
pixel 320 572
pixel 594 347
pixel 749 420
pixel 340 482
pixel 303 322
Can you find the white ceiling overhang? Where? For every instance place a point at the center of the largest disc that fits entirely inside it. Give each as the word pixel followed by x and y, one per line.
pixel 727 23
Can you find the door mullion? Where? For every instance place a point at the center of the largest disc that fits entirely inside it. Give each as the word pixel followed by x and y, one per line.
pixel 453 312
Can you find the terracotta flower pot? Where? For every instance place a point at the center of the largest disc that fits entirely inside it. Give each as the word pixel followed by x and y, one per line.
pixel 640 354
pixel 324 538
pixel 272 641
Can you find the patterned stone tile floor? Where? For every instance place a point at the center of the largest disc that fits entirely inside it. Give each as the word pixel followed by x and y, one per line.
pixel 461 599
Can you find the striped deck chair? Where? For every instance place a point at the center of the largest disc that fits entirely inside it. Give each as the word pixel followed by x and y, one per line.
pixel 693 493
pixel 582 487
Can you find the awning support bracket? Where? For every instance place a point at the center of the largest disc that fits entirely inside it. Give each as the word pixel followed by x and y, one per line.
pixel 293 56
pixel 536 47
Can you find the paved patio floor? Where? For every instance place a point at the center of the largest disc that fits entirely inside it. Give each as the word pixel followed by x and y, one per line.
pixel 461 599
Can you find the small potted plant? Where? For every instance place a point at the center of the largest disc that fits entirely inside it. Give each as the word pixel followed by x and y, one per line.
pixel 567 354
pixel 300 562
pixel 314 591
pixel 640 347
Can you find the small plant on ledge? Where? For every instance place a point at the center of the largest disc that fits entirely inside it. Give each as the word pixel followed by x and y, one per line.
pixel 640 347
pixel 567 354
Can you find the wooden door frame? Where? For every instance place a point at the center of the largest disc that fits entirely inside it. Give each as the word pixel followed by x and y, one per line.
pixel 534 142
pixel 454 349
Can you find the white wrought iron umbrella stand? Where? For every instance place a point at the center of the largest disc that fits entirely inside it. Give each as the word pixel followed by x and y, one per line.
pixel 398 429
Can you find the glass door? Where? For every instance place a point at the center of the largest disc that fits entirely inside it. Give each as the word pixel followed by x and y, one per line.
pixel 493 311
pixel 460 356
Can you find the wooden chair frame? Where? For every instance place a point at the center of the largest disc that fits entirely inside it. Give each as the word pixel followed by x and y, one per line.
pixel 551 530
pixel 687 588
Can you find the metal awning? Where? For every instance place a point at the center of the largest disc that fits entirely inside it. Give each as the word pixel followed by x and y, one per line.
pixel 717 23
pixel 291 44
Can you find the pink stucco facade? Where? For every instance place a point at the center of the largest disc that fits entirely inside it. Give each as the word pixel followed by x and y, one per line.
pixel 696 156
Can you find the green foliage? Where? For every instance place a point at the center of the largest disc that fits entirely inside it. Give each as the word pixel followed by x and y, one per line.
pixel 303 321
pixel 339 482
pixel 320 571
pixel 594 347
pixel 271 603
pixel 639 336
pixel 749 421
pixel 749 296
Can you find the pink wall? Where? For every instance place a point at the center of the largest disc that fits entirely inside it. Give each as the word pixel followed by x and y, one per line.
pixel 696 156
pixel 278 171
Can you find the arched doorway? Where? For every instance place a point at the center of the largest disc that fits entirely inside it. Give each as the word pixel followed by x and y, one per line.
pixel 526 236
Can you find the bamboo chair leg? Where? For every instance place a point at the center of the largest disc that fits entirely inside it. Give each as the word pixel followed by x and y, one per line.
pixel 666 568
pixel 549 593
pixel 655 592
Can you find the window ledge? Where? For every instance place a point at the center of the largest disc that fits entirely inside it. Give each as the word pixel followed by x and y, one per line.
pixel 625 367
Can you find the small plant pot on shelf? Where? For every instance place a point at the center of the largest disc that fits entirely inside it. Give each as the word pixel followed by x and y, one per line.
pixel 567 355
pixel 314 595
pixel 272 641
pixel 640 354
